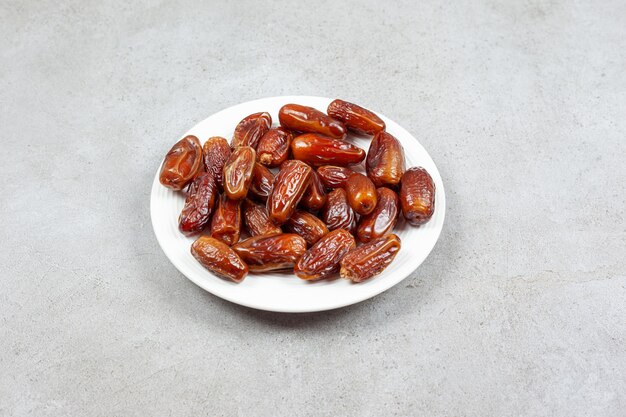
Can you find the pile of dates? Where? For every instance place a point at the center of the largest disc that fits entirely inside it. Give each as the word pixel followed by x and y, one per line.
pixel 291 191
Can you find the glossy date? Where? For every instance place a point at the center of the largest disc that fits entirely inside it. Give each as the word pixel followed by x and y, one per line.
pixel 334 176
pixel 271 252
pixel 181 163
pixel 417 196
pixel 251 129
pixel 315 195
pixel 356 118
pixel 323 258
pixel 257 220
pixel 219 258
pixel 226 221
pixel 337 213
pixel 383 219
pixel 361 193
pixel 318 150
pixel 370 259
pixel 289 187
pixel 385 160
pixel 262 182
pixel 306 225
pixel 200 199
pixel 273 147
pixel 238 172
pixel 307 119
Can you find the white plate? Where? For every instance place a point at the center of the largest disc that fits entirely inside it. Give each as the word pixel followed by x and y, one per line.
pixel 279 291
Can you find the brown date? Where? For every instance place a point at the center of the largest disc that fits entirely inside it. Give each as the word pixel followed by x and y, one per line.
pixel 226 221
pixel 306 225
pixel 317 150
pixel 361 193
pixel 182 163
pixel 385 160
pixel 383 219
pixel 308 119
pixel 289 187
pixel 250 130
pixel 273 147
pixel 314 196
pixel 333 176
pixel 355 118
pixel 337 213
pixel 370 259
pixel 417 196
pixel 271 252
pixel 216 152
pixel 238 172
pixel 257 220
pixel 323 258
pixel 198 204
pixel 262 182
pixel 219 258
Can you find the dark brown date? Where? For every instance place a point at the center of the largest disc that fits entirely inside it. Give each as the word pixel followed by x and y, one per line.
pixel 251 129
pixel 182 163
pixel 323 258
pixel 315 196
pixel 308 119
pixel 219 258
pixel 356 118
pixel 337 213
pixel 289 187
pixel 271 252
pixel 262 182
pixel 238 172
pixel 370 259
pixel 226 221
pixel 273 147
pixel 385 160
pixel 216 152
pixel 318 150
pixel 306 225
pixel 257 220
pixel 417 196
pixel 198 204
pixel 383 219
pixel 334 176
pixel 361 193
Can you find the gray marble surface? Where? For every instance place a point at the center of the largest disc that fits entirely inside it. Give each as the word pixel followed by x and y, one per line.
pixel 519 310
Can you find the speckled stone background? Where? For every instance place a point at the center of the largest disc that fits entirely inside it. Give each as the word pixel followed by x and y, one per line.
pixel 519 310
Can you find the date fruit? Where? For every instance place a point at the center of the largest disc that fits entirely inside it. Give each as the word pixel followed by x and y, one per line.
pixel 317 150
pixel 271 252
pixel 216 152
pixel 181 163
pixel 334 176
pixel 219 258
pixel 198 204
pixel 337 213
pixel 251 129
pixel 257 220
pixel 356 118
pixel 417 196
pixel 273 147
pixel 226 222
pixel 361 193
pixel 262 182
pixel 370 259
pixel 315 196
pixel 323 258
pixel 238 172
pixel 383 219
pixel 385 160
pixel 308 119
pixel 306 225
pixel 289 187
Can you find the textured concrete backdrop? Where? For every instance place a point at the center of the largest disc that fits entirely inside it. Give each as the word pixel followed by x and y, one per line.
pixel 519 310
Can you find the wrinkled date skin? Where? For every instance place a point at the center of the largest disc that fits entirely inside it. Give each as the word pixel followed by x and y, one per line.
pixel 251 129
pixel 318 150
pixel 273 147
pixel 289 187
pixel 262 182
pixel 271 252
pixel 334 176
pixel 219 258
pixel 417 196
pixel 238 172
pixel 181 163
pixel 370 259
pixel 257 220
pixel 315 196
pixel 337 213
pixel 226 221
pixel 361 194
pixel 356 118
pixel 198 204
pixel 323 258
pixel 216 152
pixel 383 219
pixel 308 119
pixel 385 160
pixel 306 225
